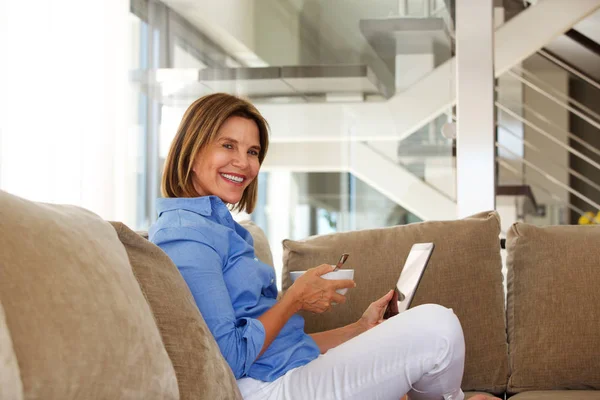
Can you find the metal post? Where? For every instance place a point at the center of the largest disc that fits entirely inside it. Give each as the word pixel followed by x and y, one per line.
pixel 158 57
pixel 403 8
pixel 475 191
pixel 426 8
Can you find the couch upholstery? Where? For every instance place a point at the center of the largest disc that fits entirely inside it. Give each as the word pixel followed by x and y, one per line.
pixel 262 250
pixel 201 370
pixel 11 386
pixel 93 311
pixel 553 307
pixel 553 297
pixel 79 323
pixel 464 274
pixel 558 395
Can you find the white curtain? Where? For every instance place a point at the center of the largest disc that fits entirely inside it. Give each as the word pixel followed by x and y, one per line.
pixel 65 109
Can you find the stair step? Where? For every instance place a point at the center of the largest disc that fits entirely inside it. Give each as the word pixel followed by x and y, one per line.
pixel 180 86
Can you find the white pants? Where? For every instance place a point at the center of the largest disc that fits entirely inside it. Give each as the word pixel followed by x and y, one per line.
pixel 420 352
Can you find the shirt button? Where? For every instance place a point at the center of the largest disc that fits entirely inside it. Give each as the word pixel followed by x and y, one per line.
pixel 255 259
pixel 272 280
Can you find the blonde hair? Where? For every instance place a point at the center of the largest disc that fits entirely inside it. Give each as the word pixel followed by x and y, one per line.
pixel 199 127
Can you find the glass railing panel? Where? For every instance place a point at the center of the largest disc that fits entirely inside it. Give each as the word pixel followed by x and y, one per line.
pixel 347 56
pixel 295 205
pixel 369 49
pixel 556 122
pixel 427 154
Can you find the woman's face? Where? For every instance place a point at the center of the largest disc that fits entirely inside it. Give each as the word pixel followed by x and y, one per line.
pixel 227 165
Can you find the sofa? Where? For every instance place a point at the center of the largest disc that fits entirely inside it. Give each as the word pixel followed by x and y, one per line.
pixel 90 309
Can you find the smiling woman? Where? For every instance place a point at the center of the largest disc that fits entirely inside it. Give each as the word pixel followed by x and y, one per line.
pixel 219 146
pixel 213 162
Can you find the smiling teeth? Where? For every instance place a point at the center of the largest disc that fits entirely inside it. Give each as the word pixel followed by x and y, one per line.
pixel 236 179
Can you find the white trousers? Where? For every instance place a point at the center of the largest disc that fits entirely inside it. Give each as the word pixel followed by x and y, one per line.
pixel 419 352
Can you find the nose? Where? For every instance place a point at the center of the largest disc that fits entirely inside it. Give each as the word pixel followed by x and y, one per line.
pixel 240 160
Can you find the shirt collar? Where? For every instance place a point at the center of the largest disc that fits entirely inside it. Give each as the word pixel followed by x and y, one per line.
pixel 201 205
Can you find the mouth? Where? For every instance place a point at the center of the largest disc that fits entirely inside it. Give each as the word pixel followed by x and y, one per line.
pixel 233 178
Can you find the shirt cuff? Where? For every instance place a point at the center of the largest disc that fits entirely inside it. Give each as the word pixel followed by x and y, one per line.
pixel 254 334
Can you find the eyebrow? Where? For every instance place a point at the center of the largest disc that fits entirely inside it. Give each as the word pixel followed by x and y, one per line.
pixel 226 138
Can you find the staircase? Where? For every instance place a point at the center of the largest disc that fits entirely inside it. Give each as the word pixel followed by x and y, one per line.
pixel 377 118
pixel 404 133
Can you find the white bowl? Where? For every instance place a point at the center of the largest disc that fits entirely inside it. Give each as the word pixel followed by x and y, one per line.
pixel 339 274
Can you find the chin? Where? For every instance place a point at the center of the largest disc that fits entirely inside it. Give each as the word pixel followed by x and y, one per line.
pixel 231 199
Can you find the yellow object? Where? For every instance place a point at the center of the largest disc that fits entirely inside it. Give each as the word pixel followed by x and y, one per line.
pixel 587 218
pixel 597 219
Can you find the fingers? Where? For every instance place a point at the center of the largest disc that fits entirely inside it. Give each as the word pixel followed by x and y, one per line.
pixel 386 298
pixel 323 269
pixel 324 303
pixel 343 283
pixel 338 298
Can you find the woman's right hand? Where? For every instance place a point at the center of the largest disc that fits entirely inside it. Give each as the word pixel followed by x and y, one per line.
pixel 312 293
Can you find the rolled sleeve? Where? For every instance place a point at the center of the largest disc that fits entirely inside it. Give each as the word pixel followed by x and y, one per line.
pixel 253 333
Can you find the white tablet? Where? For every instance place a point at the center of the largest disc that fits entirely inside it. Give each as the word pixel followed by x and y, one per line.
pixel 410 277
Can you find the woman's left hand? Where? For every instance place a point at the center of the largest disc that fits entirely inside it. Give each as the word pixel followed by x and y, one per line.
pixel 373 316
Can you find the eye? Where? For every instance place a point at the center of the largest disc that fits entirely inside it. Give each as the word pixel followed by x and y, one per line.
pixel 253 153
pixel 228 145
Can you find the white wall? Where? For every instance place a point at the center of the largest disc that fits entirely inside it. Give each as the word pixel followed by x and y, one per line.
pixel 229 23
pixel 63 102
pixel 277 29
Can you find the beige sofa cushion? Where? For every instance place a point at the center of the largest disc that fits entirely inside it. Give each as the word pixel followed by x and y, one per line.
pixel 80 325
pixel 11 386
pixel 553 307
pixel 558 395
pixel 262 250
pixel 202 373
pixel 464 274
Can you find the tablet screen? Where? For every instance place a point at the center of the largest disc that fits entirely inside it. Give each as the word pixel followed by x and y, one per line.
pixel 412 272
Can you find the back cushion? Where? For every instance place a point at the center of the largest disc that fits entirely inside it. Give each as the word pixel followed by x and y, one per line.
pixel 262 250
pixel 11 387
pixel 202 373
pixel 553 307
pixel 80 326
pixel 465 274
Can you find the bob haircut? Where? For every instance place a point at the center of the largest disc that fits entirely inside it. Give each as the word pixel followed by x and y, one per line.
pixel 200 126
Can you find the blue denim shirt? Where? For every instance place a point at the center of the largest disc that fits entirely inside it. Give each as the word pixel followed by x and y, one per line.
pixel 232 288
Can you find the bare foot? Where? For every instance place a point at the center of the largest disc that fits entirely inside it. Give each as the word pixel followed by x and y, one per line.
pixel 482 397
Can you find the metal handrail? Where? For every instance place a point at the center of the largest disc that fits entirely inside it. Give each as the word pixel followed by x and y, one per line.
pixel 547 135
pixel 550 177
pixel 562 167
pixel 538 169
pixel 554 99
pixel 570 135
pixel 568 68
pixel 560 201
pixel 558 93
pixel 397 161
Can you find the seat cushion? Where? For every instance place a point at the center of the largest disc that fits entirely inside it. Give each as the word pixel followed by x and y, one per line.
pixel 553 307
pixel 465 274
pixel 558 395
pixel 202 373
pixel 11 386
pixel 468 395
pixel 79 323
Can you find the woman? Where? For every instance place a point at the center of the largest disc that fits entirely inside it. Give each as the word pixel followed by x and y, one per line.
pixel 213 163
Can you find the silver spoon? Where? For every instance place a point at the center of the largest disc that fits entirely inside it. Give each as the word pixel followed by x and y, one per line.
pixel 341 262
